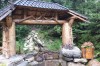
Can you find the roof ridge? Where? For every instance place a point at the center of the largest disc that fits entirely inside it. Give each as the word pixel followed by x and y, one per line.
pixel 43 1
pixel 61 5
pixel 17 1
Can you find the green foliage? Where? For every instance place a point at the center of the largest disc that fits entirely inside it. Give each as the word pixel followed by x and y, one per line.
pixel 22 31
pixel 52 42
pixel 19 46
pixel 55 44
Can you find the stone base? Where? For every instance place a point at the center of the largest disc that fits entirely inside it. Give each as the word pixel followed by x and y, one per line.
pixel 74 64
pixel 55 63
pixel 13 61
pixel 75 52
pixel 80 60
pixel 19 61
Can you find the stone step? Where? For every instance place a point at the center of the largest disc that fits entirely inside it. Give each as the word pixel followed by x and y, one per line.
pixel 24 63
pixel 83 60
pixel 74 64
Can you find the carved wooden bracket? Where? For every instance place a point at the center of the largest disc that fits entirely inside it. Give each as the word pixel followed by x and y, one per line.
pixel 8 21
pixel 71 20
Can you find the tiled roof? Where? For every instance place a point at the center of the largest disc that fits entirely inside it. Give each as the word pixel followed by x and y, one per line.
pixel 35 4
pixel 40 4
pixel 5 11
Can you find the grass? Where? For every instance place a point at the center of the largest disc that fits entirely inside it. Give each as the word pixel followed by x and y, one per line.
pixel 55 45
pixel 19 46
pixel 2 64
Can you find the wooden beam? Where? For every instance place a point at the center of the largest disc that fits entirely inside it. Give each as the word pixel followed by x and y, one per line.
pixel 25 19
pixel 71 20
pixel 78 17
pixel 40 22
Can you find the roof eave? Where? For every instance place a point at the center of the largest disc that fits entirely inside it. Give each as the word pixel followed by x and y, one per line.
pixel 79 16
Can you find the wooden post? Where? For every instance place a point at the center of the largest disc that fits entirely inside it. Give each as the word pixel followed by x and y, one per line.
pixel 9 38
pixel 66 34
pixel 12 39
pixel 5 41
pixel 67 37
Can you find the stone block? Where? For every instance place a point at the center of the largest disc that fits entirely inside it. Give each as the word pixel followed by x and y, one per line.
pixel 55 63
pixel 51 55
pixel 37 63
pixel 34 63
pixel 55 56
pixel 93 62
pixel 24 63
pixel 74 64
pixel 67 59
pixel 83 60
pixel 48 56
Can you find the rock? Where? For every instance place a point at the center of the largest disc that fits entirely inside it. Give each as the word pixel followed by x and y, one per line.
pixel 55 56
pixel 33 42
pixel 13 61
pixel 24 63
pixel 30 59
pixel 74 64
pixel 16 58
pixel 83 60
pixel 93 62
pixel 48 56
pixel 67 59
pixel 41 64
pixel 51 55
pixel 69 53
pixel 39 58
pixel 55 63
pixel 34 63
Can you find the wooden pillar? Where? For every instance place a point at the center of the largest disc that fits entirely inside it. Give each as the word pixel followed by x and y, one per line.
pixel 12 39
pixel 67 36
pixel 9 38
pixel 5 41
